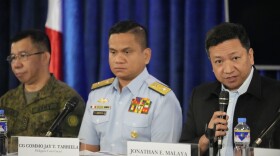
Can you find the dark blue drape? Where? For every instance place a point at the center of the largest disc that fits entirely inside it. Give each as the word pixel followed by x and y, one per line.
pixel 176 29
pixel 15 16
pixel 4 45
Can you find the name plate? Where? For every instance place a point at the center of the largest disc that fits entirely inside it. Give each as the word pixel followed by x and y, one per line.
pixel 135 148
pixel 266 152
pixel 46 146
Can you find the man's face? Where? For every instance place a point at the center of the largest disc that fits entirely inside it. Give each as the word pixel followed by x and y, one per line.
pixel 27 70
pixel 231 63
pixel 126 57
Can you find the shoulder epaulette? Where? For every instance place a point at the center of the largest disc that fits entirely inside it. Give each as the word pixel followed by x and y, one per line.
pixel 160 88
pixel 102 83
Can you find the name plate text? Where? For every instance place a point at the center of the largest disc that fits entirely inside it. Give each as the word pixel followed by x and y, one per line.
pixel 46 146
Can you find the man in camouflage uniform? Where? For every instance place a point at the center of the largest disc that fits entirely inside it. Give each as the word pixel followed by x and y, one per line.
pixel 34 105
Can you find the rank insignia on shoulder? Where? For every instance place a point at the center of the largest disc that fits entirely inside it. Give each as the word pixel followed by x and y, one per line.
pixel 102 83
pixel 160 88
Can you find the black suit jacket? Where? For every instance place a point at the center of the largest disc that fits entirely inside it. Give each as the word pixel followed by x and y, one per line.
pixel 260 105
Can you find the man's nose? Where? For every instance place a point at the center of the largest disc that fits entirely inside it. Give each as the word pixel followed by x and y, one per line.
pixel 119 58
pixel 16 62
pixel 228 67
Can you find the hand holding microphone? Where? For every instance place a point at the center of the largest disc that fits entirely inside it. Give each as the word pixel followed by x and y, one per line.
pixel 223 104
pixel 219 118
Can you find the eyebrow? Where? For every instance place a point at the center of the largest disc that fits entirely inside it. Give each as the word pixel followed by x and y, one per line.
pixel 230 54
pixel 126 48
pixel 24 51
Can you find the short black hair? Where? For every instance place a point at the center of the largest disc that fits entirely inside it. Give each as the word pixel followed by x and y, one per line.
pixel 39 39
pixel 129 26
pixel 226 31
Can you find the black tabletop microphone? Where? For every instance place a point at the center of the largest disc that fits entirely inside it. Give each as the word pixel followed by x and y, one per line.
pixel 258 141
pixel 68 108
pixel 223 104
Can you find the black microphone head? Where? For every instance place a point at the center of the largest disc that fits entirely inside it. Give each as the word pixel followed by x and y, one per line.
pixel 224 98
pixel 72 103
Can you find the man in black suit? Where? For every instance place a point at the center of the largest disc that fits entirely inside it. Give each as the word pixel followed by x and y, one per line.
pixel 251 96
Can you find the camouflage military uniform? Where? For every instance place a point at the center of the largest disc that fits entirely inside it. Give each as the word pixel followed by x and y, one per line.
pixel 35 118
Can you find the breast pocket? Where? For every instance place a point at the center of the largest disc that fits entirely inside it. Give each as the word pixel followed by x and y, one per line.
pixel 136 127
pixel 100 117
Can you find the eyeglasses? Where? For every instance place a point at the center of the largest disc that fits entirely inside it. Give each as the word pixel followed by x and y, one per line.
pixel 22 56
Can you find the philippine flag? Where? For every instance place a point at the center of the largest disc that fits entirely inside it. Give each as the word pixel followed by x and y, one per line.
pixel 54 31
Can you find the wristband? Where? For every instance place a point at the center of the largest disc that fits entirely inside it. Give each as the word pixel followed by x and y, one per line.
pixel 210 133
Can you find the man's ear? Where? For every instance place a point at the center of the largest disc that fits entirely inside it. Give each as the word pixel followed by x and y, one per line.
pixel 251 56
pixel 147 55
pixel 47 57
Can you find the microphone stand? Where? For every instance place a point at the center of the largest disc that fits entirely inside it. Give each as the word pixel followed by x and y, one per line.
pixel 68 108
pixel 56 133
pixel 210 134
pixel 211 147
pixel 258 141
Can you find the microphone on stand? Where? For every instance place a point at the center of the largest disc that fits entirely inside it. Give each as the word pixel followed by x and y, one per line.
pixel 68 108
pixel 223 104
pixel 258 141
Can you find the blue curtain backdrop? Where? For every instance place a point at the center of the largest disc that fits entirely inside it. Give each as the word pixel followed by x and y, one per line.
pixel 176 28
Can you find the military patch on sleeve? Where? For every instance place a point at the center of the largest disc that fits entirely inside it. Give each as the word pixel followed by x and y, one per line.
pixel 160 88
pixel 73 121
pixel 102 83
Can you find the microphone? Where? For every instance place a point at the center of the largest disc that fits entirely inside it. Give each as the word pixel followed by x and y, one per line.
pixel 68 108
pixel 223 104
pixel 258 141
